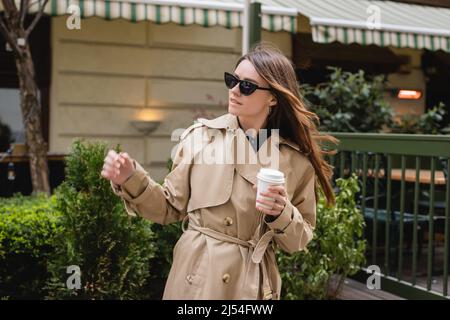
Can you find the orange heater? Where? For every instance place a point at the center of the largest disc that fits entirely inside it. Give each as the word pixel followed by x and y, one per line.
pixel 409 94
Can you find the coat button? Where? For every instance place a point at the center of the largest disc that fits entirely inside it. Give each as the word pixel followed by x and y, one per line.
pixel 189 278
pixel 226 278
pixel 228 221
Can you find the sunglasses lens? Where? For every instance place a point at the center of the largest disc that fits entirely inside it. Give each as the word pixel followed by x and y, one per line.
pixel 247 88
pixel 230 81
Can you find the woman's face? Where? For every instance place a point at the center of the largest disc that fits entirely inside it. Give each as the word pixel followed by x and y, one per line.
pixel 255 105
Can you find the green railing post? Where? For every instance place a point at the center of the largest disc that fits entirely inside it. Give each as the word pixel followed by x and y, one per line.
pixel 341 164
pixel 375 209
pixel 447 235
pixel 364 189
pixel 353 162
pixel 431 228
pixel 415 225
pixel 402 211
pixel 387 243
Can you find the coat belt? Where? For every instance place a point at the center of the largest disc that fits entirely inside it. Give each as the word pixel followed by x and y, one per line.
pixel 257 250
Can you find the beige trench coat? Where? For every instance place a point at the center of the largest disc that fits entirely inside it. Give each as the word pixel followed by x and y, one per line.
pixel 227 248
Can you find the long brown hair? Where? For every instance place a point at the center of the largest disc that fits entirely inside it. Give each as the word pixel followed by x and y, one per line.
pixel 291 116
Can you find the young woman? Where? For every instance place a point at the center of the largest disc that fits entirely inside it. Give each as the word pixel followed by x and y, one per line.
pixel 227 250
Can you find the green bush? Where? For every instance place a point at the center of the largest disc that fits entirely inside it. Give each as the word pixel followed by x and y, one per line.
pixel 112 250
pixel 166 237
pixel 336 249
pixel 431 122
pixel 28 226
pixel 350 102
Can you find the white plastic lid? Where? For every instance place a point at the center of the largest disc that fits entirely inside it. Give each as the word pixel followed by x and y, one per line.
pixel 271 175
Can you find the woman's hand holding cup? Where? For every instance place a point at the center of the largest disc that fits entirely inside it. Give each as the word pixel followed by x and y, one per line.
pixel 117 167
pixel 275 192
pixel 271 193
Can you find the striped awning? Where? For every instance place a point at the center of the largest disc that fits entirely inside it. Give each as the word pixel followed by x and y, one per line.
pixel 208 13
pixel 354 21
pixel 347 21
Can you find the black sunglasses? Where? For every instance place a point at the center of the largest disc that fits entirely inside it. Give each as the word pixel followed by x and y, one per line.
pixel 245 87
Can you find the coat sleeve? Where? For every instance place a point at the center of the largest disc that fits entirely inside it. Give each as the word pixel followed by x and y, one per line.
pixel 165 203
pixel 295 225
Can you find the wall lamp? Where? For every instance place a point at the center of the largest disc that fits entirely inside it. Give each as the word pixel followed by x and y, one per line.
pixel 145 126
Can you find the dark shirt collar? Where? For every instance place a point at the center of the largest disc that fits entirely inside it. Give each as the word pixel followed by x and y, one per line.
pixel 255 142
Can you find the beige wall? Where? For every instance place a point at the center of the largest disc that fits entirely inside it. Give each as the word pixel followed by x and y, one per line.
pixel 112 72
pixel 412 78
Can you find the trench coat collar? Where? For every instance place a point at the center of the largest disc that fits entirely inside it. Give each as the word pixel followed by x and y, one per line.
pixel 230 122
pixel 226 121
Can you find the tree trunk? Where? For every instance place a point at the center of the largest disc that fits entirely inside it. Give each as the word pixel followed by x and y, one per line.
pixel 31 110
pixel 16 35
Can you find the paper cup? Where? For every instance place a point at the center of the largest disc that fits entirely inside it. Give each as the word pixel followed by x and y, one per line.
pixel 268 177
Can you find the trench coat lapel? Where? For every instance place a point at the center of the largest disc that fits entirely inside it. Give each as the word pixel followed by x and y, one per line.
pixel 246 159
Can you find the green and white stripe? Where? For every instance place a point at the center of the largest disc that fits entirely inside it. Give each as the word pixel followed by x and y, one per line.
pixel 400 25
pixel 328 34
pixel 207 13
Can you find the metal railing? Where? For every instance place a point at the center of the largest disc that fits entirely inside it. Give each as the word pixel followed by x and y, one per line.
pixel 405 199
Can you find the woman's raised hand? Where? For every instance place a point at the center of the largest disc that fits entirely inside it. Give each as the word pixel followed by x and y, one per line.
pixel 117 167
